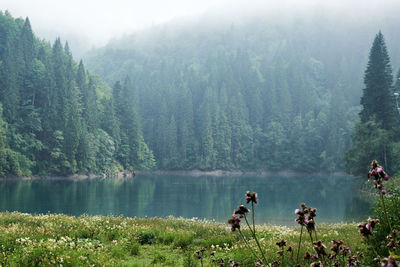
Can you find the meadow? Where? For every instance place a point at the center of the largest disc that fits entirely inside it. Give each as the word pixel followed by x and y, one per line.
pixel 60 240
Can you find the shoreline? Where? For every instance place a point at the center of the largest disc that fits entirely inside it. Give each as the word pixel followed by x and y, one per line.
pixel 192 173
pixel 120 175
pixel 218 173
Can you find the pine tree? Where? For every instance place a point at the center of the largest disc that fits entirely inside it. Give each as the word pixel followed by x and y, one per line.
pixel 377 100
pixel 373 136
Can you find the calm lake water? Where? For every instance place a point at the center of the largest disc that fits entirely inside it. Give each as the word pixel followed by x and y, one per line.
pixel 336 198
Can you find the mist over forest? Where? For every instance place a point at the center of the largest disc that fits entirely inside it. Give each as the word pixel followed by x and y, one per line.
pixel 249 87
pixel 271 89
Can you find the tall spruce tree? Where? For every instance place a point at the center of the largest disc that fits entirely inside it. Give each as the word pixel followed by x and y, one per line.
pixel 374 136
pixel 377 100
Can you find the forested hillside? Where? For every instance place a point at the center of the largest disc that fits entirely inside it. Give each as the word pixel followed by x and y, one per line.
pixel 57 118
pixel 261 93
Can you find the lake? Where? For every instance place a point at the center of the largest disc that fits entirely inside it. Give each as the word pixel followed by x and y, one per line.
pixel 336 198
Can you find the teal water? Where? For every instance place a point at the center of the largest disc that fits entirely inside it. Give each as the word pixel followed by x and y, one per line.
pixel 336 198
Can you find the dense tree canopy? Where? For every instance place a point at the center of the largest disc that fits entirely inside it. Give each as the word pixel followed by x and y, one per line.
pixel 228 97
pixel 377 134
pixel 238 97
pixel 51 109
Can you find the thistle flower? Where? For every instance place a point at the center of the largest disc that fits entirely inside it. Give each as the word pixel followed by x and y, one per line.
pixel 373 222
pixel 390 262
pixel 366 227
pixel 241 211
pixel 200 253
pixel 251 197
pixel 310 224
pixel 281 244
pixel 301 214
pixel 377 172
pixel 319 248
pixel 234 222
pixel 337 246
pixel 392 240
pixel 383 191
pixel 353 261
pixel 312 212
pixel 233 264
pixel 346 251
pixel 307 256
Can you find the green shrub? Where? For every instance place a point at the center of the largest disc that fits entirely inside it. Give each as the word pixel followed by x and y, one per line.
pixel 167 237
pixel 117 252
pixel 146 237
pixel 133 248
pixel 158 258
pixel 188 260
pixel 183 240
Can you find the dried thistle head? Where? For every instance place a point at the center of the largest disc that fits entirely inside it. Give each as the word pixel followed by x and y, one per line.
pixel 310 225
pixel 337 246
pixel 307 256
pixel 319 247
pixel 282 243
pixel 373 222
pixel 234 222
pixel 251 197
pixel 365 229
pixel 241 210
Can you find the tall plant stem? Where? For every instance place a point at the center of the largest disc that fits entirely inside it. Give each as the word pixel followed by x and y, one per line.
pixel 315 231
pixel 386 213
pixel 248 246
pixel 298 248
pixel 252 214
pixel 255 238
pixel 312 241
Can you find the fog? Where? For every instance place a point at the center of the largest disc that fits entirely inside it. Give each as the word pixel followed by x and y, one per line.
pixel 92 23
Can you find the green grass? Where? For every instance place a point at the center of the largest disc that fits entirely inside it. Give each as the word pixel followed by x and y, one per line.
pixel 60 240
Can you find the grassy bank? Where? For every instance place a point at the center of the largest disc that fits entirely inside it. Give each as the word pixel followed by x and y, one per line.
pixel 60 240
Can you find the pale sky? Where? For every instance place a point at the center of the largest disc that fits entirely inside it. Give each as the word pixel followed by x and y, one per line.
pixel 93 22
pixel 101 20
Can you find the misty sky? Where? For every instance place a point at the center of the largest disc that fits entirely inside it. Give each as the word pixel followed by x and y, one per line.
pixel 94 22
pixel 102 19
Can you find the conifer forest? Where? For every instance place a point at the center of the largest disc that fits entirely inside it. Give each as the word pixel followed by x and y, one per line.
pixel 225 96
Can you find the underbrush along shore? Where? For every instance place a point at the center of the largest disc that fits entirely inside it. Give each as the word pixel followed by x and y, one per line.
pixel 61 240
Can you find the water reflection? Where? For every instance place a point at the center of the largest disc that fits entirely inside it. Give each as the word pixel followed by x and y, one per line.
pixel 336 197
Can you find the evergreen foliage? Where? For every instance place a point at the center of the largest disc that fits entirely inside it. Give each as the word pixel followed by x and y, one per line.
pixel 378 99
pixel 376 134
pixel 50 110
pixel 240 97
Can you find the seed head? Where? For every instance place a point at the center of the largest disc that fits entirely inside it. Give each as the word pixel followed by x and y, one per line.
pixel 251 197
pixel 234 222
pixel 282 243
pixel 241 211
